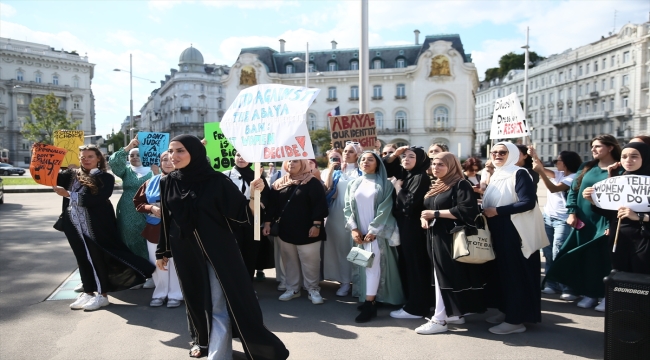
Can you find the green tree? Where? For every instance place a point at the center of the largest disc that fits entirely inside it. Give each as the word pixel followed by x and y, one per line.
pixel 48 117
pixel 511 61
pixel 116 139
pixel 322 139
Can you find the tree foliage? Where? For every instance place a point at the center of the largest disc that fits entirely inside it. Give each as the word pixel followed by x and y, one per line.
pixel 511 61
pixel 48 117
pixel 116 139
pixel 322 139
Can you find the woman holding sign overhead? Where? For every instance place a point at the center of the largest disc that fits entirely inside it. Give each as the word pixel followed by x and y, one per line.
pixel 125 164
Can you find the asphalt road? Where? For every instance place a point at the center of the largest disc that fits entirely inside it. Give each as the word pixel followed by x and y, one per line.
pixel 35 259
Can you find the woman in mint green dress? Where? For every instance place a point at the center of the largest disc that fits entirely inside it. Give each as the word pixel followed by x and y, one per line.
pixel 125 164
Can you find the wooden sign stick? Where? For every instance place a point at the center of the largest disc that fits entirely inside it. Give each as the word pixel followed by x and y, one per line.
pixel 256 205
pixel 616 237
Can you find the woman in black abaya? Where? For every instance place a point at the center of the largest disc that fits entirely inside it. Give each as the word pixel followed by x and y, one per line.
pixel 200 209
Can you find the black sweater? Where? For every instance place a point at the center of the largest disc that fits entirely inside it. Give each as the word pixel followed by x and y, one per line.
pixel 306 206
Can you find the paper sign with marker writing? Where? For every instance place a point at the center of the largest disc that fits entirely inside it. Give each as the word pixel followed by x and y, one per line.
pixel 152 144
pixel 220 150
pixel 508 120
pixel 46 162
pixel 357 127
pixel 70 140
pixel 631 191
pixel 267 122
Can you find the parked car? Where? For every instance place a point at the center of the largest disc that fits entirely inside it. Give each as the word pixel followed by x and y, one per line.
pixel 8 169
pixel 2 192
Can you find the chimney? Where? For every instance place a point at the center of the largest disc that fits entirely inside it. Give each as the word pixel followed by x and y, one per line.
pixel 417 37
pixel 334 44
pixel 282 42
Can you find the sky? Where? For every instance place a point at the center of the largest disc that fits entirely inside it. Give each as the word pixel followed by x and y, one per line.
pixel 156 32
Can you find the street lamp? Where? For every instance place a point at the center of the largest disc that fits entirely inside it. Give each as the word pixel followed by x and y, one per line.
pixel 306 61
pixel 130 71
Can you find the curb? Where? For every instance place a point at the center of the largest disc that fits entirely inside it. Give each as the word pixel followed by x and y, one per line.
pixel 15 189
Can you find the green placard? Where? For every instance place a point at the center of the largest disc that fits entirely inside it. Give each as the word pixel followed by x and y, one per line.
pixel 220 151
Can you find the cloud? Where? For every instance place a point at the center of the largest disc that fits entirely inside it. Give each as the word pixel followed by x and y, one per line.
pixel 155 19
pixel 7 10
pixel 491 51
pixel 162 5
pixel 251 4
pixel 122 37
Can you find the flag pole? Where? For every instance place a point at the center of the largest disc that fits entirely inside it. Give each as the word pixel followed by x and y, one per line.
pixel 256 205
pixel 526 57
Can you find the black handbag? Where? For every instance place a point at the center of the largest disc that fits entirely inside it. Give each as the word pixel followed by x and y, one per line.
pixel 275 227
pixel 58 225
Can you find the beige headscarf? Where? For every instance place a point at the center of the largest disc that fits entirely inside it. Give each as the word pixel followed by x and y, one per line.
pixel 452 177
pixel 303 176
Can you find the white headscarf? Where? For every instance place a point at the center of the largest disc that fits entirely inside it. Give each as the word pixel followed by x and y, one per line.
pixel 501 190
pixel 140 171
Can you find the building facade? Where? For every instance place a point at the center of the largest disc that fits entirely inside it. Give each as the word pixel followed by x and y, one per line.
pixel 29 71
pixel 599 88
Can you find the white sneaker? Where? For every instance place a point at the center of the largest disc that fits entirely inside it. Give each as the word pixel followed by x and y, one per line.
pixel 288 295
pixel 98 302
pixel 601 306
pixel 504 329
pixel 81 301
pixel 568 297
pixel 149 284
pixel 315 297
pixel 587 302
pixel 79 288
pixel 431 327
pixel 401 314
pixel 343 290
pixel 156 302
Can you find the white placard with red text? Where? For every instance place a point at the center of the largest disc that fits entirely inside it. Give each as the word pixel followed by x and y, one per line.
pixel 508 120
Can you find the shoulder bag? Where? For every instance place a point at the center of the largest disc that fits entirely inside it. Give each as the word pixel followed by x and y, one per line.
pixel 360 256
pixel 275 227
pixel 473 249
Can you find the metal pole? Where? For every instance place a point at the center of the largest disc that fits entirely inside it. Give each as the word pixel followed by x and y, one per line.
pixel 364 65
pixel 131 87
pixel 307 67
pixel 526 88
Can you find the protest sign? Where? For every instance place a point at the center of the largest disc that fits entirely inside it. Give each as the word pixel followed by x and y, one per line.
pixel 46 162
pixel 631 191
pixel 508 120
pixel 220 150
pixel 69 140
pixel 267 122
pixel 152 144
pixel 357 127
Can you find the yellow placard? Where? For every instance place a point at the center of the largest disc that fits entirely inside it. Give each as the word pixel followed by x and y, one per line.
pixel 70 140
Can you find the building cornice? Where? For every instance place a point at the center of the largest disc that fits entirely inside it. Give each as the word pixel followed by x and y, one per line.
pixel 22 55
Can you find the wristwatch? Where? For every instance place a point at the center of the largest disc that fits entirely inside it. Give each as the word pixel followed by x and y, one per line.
pixel 436 214
pixel 317 226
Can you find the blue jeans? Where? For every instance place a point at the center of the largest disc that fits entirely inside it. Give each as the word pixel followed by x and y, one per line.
pixel 557 231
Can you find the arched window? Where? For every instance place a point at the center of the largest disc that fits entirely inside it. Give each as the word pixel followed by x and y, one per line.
pixel 312 121
pixel 379 119
pixel 38 78
pixel 354 65
pixel 377 64
pixel 400 121
pixel 55 80
pixel 441 117
pixel 400 63
pixel 354 112
pixel 19 75
pixel 75 82
pixel 289 68
pixel 332 66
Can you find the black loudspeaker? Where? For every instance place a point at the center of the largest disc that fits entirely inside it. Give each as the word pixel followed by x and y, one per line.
pixel 627 316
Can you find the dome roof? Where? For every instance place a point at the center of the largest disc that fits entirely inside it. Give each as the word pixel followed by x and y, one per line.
pixel 191 56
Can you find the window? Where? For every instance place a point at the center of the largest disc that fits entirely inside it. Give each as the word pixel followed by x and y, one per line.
pixel 220 104
pixel 626 80
pixel 354 65
pixel 288 68
pixel 586 89
pixel 604 63
pixel 312 67
pixel 580 109
pixel 401 90
pixel 75 105
pixel 331 92
pixel 543 80
pixel 595 65
pixel 594 107
pixel 570 73
pixel 626 57
pixel 603 85
pixel 379 119
pixel 186 86
pixel 551 98
pixel 400 121
pixel 611 83
pixel 186 119
pixel 560 95
pixel 377 64
pixel 376 91
pixel 202 88
pixel 19 75
pixel 536 98
pixel 579 90
pixel 354 92
pixel 441 117
pixel 312 121
pixel 20 99
pixel 579 70
pixel 332 66
pixel 543 99
pixel 55 80
pixel 75 82
pixel 625 102
pixel 611 104
pixel 586 69
pixel 602 106
pixel 38 78
pixel 400 63
pixel 542 133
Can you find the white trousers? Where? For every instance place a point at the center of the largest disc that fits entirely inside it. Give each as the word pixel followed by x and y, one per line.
pixel 373 274
pixel 167 285
pixel 279 266
pixel 220 345
pixel 440 314
pixel 301 260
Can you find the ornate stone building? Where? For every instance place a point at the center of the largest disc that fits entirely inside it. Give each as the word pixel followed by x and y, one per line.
pixel 28 71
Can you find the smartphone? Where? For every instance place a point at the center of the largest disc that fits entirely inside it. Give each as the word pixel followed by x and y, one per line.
pixel 337 167
pixel 580 224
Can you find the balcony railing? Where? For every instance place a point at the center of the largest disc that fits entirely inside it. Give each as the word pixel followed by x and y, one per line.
pixel 377 97
pixel 352 98
pixel 331 99
pixel 186 108
pixel 389 131
pixel 400 97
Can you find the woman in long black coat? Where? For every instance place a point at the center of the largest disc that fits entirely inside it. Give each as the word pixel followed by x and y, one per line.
pixel 414 263
pixel 200 209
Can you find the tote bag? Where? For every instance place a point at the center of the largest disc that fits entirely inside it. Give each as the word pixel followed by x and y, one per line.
pixel 473 249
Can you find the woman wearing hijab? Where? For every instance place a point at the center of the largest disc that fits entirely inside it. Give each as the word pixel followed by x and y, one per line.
pixel 411 184
pixel 105 263
pixel 200 208
pixel 341 170
pixel 130 222
pixel 300 208
pixel 147 201
pixel 633 247
pixel 515 279
pixel 458 286
pixel 368 207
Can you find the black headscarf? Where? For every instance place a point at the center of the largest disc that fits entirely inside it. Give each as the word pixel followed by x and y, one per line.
pixel 247 173
pixel 422 163
pixel 644 150
pixel 199 168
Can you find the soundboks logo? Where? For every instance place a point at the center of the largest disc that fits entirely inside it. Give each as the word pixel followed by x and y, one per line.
pixel 631 291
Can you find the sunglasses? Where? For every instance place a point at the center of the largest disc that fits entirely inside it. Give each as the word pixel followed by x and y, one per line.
pixel 500 153
pixel 333 160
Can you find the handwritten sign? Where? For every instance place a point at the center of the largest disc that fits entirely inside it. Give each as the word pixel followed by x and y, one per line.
pixel 70 140
pixel 267 122
pixel 220 150
pixel 631 191
pixel 46 162
pixel 508 120
pixel 152 144
pixel 358 128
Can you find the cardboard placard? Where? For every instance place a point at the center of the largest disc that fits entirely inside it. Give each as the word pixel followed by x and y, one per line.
pixel 152 144
pixel 508 120
pixel 220 150
pixel 46 162
pixel 359 128
pixel 69 140
pixel 267 122
pixel 630 191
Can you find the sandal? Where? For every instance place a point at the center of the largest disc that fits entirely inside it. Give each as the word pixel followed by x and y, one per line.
pixel 196 351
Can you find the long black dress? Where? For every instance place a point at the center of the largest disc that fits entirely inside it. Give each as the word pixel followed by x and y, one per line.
pixel 513 284
pixel 461 285
pixel 217 208
pixel 113 265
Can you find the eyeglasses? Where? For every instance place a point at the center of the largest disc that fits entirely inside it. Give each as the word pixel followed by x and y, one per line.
pixel 500 153
pixel 333 160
